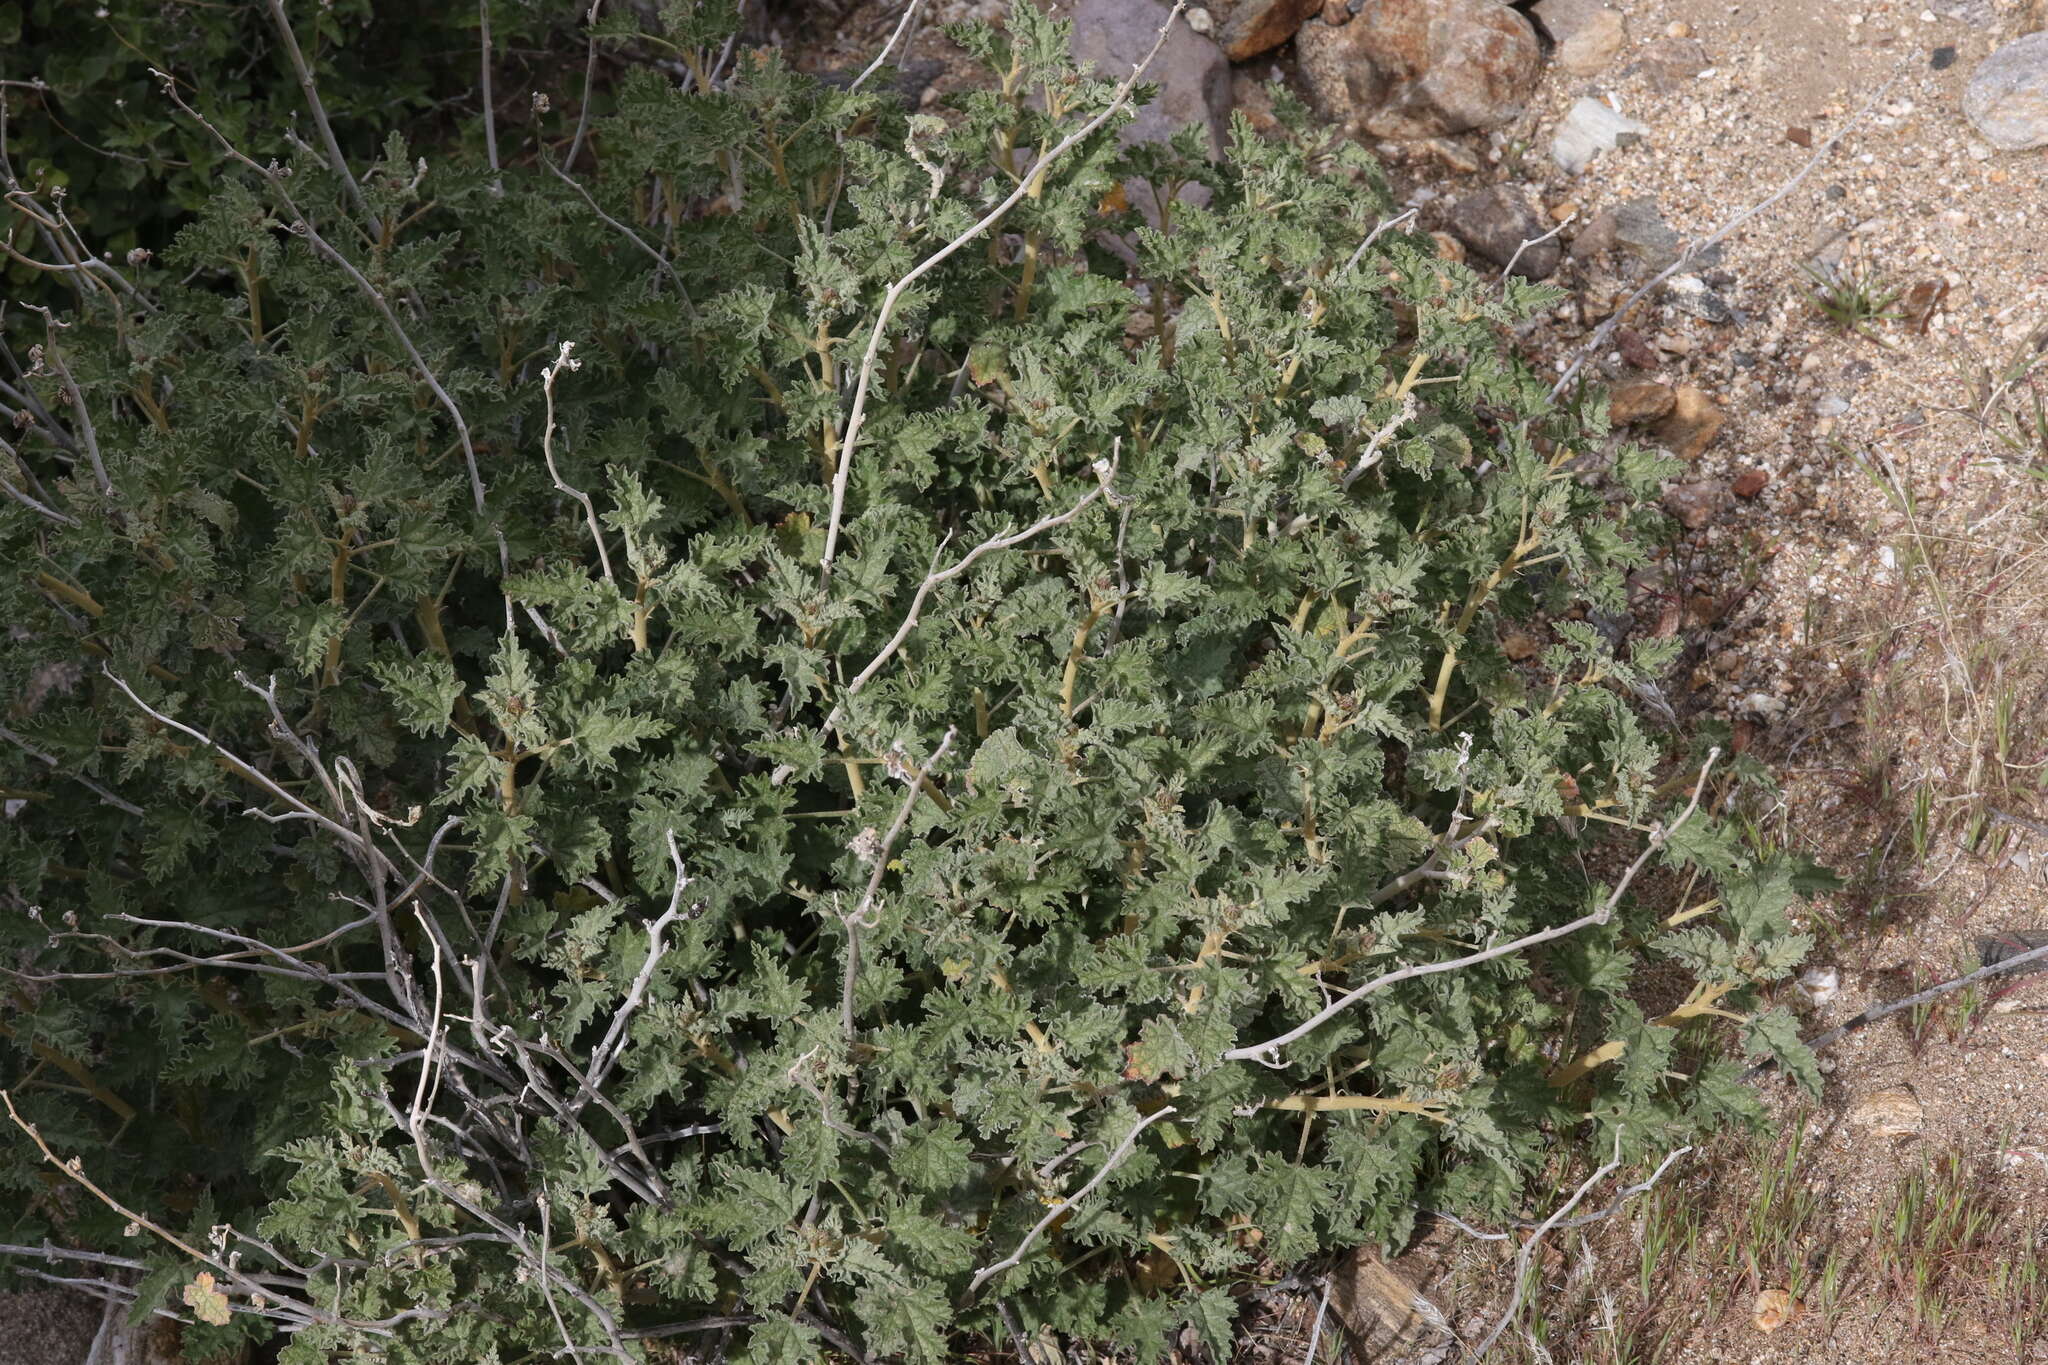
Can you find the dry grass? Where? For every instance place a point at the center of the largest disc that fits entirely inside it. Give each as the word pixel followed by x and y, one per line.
pixel 1945 1258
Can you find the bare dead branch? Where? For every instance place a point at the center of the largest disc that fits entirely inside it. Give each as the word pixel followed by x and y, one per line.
pixel 1528 1250
pixel 843 470
pixel 1268 1052
pixel 1514 260
pixel 902 25
pixel 661 262
pixel 564 361
pixel 242 767
pixel 1065 1207
pixel 589 85
pixel 607 1054
pixel 1105 476
pixel 1384 225
pixel 54 357
pixel 303 226
pixel 335 159
pixel 913 786
pixel 125 807
pixel 1877 1012
pixel 1643 1186
pixel 483 20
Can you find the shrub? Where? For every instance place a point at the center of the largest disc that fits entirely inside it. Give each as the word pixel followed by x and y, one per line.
pixel 657 756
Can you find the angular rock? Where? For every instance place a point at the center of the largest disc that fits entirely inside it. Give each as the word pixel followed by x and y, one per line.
pixel 2007 97
pixel 1643 401
pixel 1691 425
pixel 1411 69
pixel 1888 1113
pixel 1689 294
pixel 1694 505
pixel 1671 61
pixel 1588 34
pixel 1595 239
pixel 1635 350
pixel 1640 229
pixel 1496 221
pixel 1751 482
pixel 1257 26
pixel 1592 127
pixel 1336 13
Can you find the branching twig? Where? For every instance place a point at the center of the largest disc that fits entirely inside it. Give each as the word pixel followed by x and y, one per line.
pixel 243 768
pixel 1528 1250
pixel 303 227
pixel 1384 225
pixel 661 262
pixel 1514 260
pixel 86 432
pixel 335 159
pixel 1643 1186
pixel 607 1053
pixel 1268 1052
pixel 913 784
pixel 1105 476
pixel 1026 184
pixel 1877 1012
pixel 483 20
pixel 563 361
pixel 589 85
pixel 903 24
pixel 125 807
pixel 1066 1206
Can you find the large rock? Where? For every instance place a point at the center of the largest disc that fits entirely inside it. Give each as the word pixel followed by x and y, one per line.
pixel 2007 98
pixel 1257 26
pixel 1407 69
pixel 1191 72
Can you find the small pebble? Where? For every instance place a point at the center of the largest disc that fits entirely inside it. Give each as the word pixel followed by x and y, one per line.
pixel 1943 58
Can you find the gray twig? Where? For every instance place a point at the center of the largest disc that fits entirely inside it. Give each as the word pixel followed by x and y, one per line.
pixel 1528 1250
pixel 913 782
pixel 902 25
pixel 1268 1052
pixel 1066 1206
pixel 843 471
pixel 335 159
pixel 564 361
pixel 1877 1012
